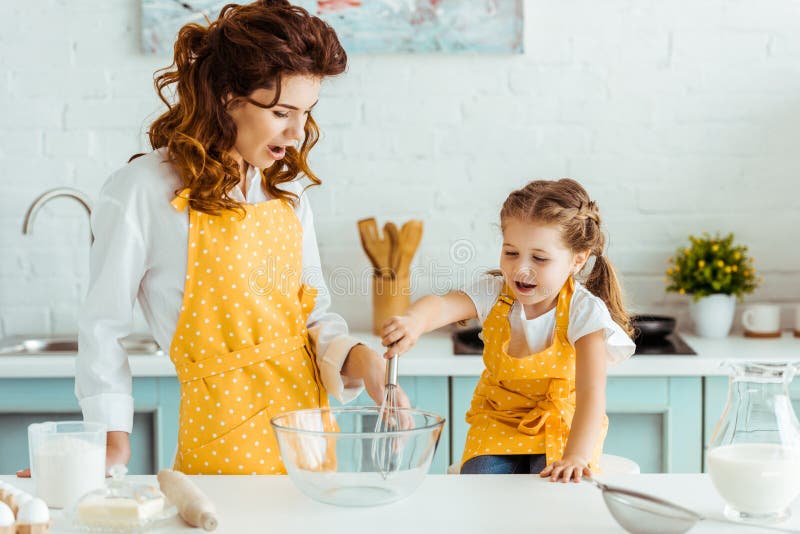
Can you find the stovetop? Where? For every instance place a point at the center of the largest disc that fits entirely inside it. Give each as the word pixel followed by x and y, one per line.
pixel 467 342
pixel 671 344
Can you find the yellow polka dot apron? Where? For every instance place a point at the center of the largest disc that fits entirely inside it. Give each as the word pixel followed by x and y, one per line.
pixel 241 348
pixel 525 405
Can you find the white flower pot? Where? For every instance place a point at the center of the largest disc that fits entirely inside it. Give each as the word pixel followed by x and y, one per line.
pixel 713 315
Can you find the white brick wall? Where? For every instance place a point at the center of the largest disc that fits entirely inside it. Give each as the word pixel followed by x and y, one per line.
pixel 678 116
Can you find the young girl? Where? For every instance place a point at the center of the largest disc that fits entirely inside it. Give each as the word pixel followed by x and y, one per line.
pixel 212 232
pixel 539 406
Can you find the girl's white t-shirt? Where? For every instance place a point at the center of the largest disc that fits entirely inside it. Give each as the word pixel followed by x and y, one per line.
pixel 587 313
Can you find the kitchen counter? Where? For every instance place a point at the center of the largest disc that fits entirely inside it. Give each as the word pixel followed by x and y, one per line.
pixel 444 503
pixel 433 356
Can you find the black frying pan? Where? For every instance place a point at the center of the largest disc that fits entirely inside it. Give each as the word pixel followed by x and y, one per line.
pixel 652 326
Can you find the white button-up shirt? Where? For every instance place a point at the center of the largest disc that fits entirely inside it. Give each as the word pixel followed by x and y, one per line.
pixel 140 252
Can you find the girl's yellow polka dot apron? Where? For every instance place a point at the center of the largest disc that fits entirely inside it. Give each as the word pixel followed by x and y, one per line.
pixel 525 405
pixel 241 348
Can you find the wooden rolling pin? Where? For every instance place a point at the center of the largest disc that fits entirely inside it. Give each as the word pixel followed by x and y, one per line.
pixel 193 506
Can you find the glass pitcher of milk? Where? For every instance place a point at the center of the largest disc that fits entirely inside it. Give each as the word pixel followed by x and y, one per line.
pixel 754 454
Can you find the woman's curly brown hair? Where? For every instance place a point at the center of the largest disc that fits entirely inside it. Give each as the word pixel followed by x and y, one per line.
pixel 248 47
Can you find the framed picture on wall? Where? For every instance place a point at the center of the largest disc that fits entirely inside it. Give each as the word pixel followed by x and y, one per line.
pixel 370 26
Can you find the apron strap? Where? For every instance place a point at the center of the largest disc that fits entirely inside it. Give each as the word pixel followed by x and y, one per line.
pixel 505 300
pixel 231 361
pixel 181 200
pixel 553 414
pixel 563 305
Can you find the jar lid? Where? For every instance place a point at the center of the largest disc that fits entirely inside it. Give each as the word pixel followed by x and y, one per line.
pixel 121 505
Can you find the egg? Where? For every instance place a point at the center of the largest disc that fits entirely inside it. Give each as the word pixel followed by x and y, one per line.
pixel 23 498
pixel 6 515
pixel 33 512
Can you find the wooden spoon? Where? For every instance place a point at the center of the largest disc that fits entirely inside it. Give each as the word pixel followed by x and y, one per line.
pixel 393 234
pixel 368 231
pixel 410 237
pixel 378 248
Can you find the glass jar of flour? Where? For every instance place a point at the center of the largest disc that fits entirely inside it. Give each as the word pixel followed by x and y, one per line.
pixel 68 459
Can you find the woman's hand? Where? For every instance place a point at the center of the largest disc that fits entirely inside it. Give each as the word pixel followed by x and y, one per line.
pixel 118 448
pixel 118 451
pixel 400 333
pixel 376 389
pixel 364 363
pixel 569 468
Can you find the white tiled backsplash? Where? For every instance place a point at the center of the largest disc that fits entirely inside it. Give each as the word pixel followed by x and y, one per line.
pixel 678 116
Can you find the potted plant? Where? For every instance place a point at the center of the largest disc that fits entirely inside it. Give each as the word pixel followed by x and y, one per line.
pixel 716 272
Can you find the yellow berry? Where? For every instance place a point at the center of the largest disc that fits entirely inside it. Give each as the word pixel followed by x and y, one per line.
pixel 701 264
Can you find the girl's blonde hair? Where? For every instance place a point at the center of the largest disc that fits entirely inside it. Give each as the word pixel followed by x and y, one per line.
pixel 566 203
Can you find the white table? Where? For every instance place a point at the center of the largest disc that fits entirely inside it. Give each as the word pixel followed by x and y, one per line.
pixel 479 504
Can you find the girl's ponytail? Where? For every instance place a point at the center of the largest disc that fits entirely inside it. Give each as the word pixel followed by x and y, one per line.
pixel 603 282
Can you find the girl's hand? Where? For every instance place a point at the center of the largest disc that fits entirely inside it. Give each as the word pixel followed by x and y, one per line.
pixel 400 333
pixel 569 468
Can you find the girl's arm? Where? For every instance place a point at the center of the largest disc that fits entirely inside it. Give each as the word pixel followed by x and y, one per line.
pixel 590 406
pixel 428 313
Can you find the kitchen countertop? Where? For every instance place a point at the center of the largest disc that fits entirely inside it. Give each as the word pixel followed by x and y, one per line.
pixel 433 356
pixel 506 504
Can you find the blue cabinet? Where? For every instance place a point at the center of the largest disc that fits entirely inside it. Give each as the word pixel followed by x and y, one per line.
pixel 657 422
pixel 654 421
pixel 26 401
pixel 460 399
pixel 156 404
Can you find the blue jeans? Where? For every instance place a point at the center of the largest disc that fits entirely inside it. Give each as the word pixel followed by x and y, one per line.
pixel 505 464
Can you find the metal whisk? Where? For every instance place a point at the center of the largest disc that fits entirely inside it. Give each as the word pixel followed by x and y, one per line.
pixel 387 450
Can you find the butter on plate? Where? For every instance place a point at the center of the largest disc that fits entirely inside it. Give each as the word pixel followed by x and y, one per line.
pixel 105 510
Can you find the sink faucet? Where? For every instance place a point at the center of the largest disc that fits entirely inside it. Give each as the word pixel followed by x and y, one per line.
pixel 44 198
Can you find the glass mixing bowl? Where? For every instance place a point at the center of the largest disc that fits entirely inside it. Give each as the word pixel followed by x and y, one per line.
pixel 331 453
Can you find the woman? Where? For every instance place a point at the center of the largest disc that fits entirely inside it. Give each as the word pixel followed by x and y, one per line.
pixel 213 234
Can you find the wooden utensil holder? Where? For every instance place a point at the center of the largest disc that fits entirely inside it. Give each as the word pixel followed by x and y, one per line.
pixel 391 295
